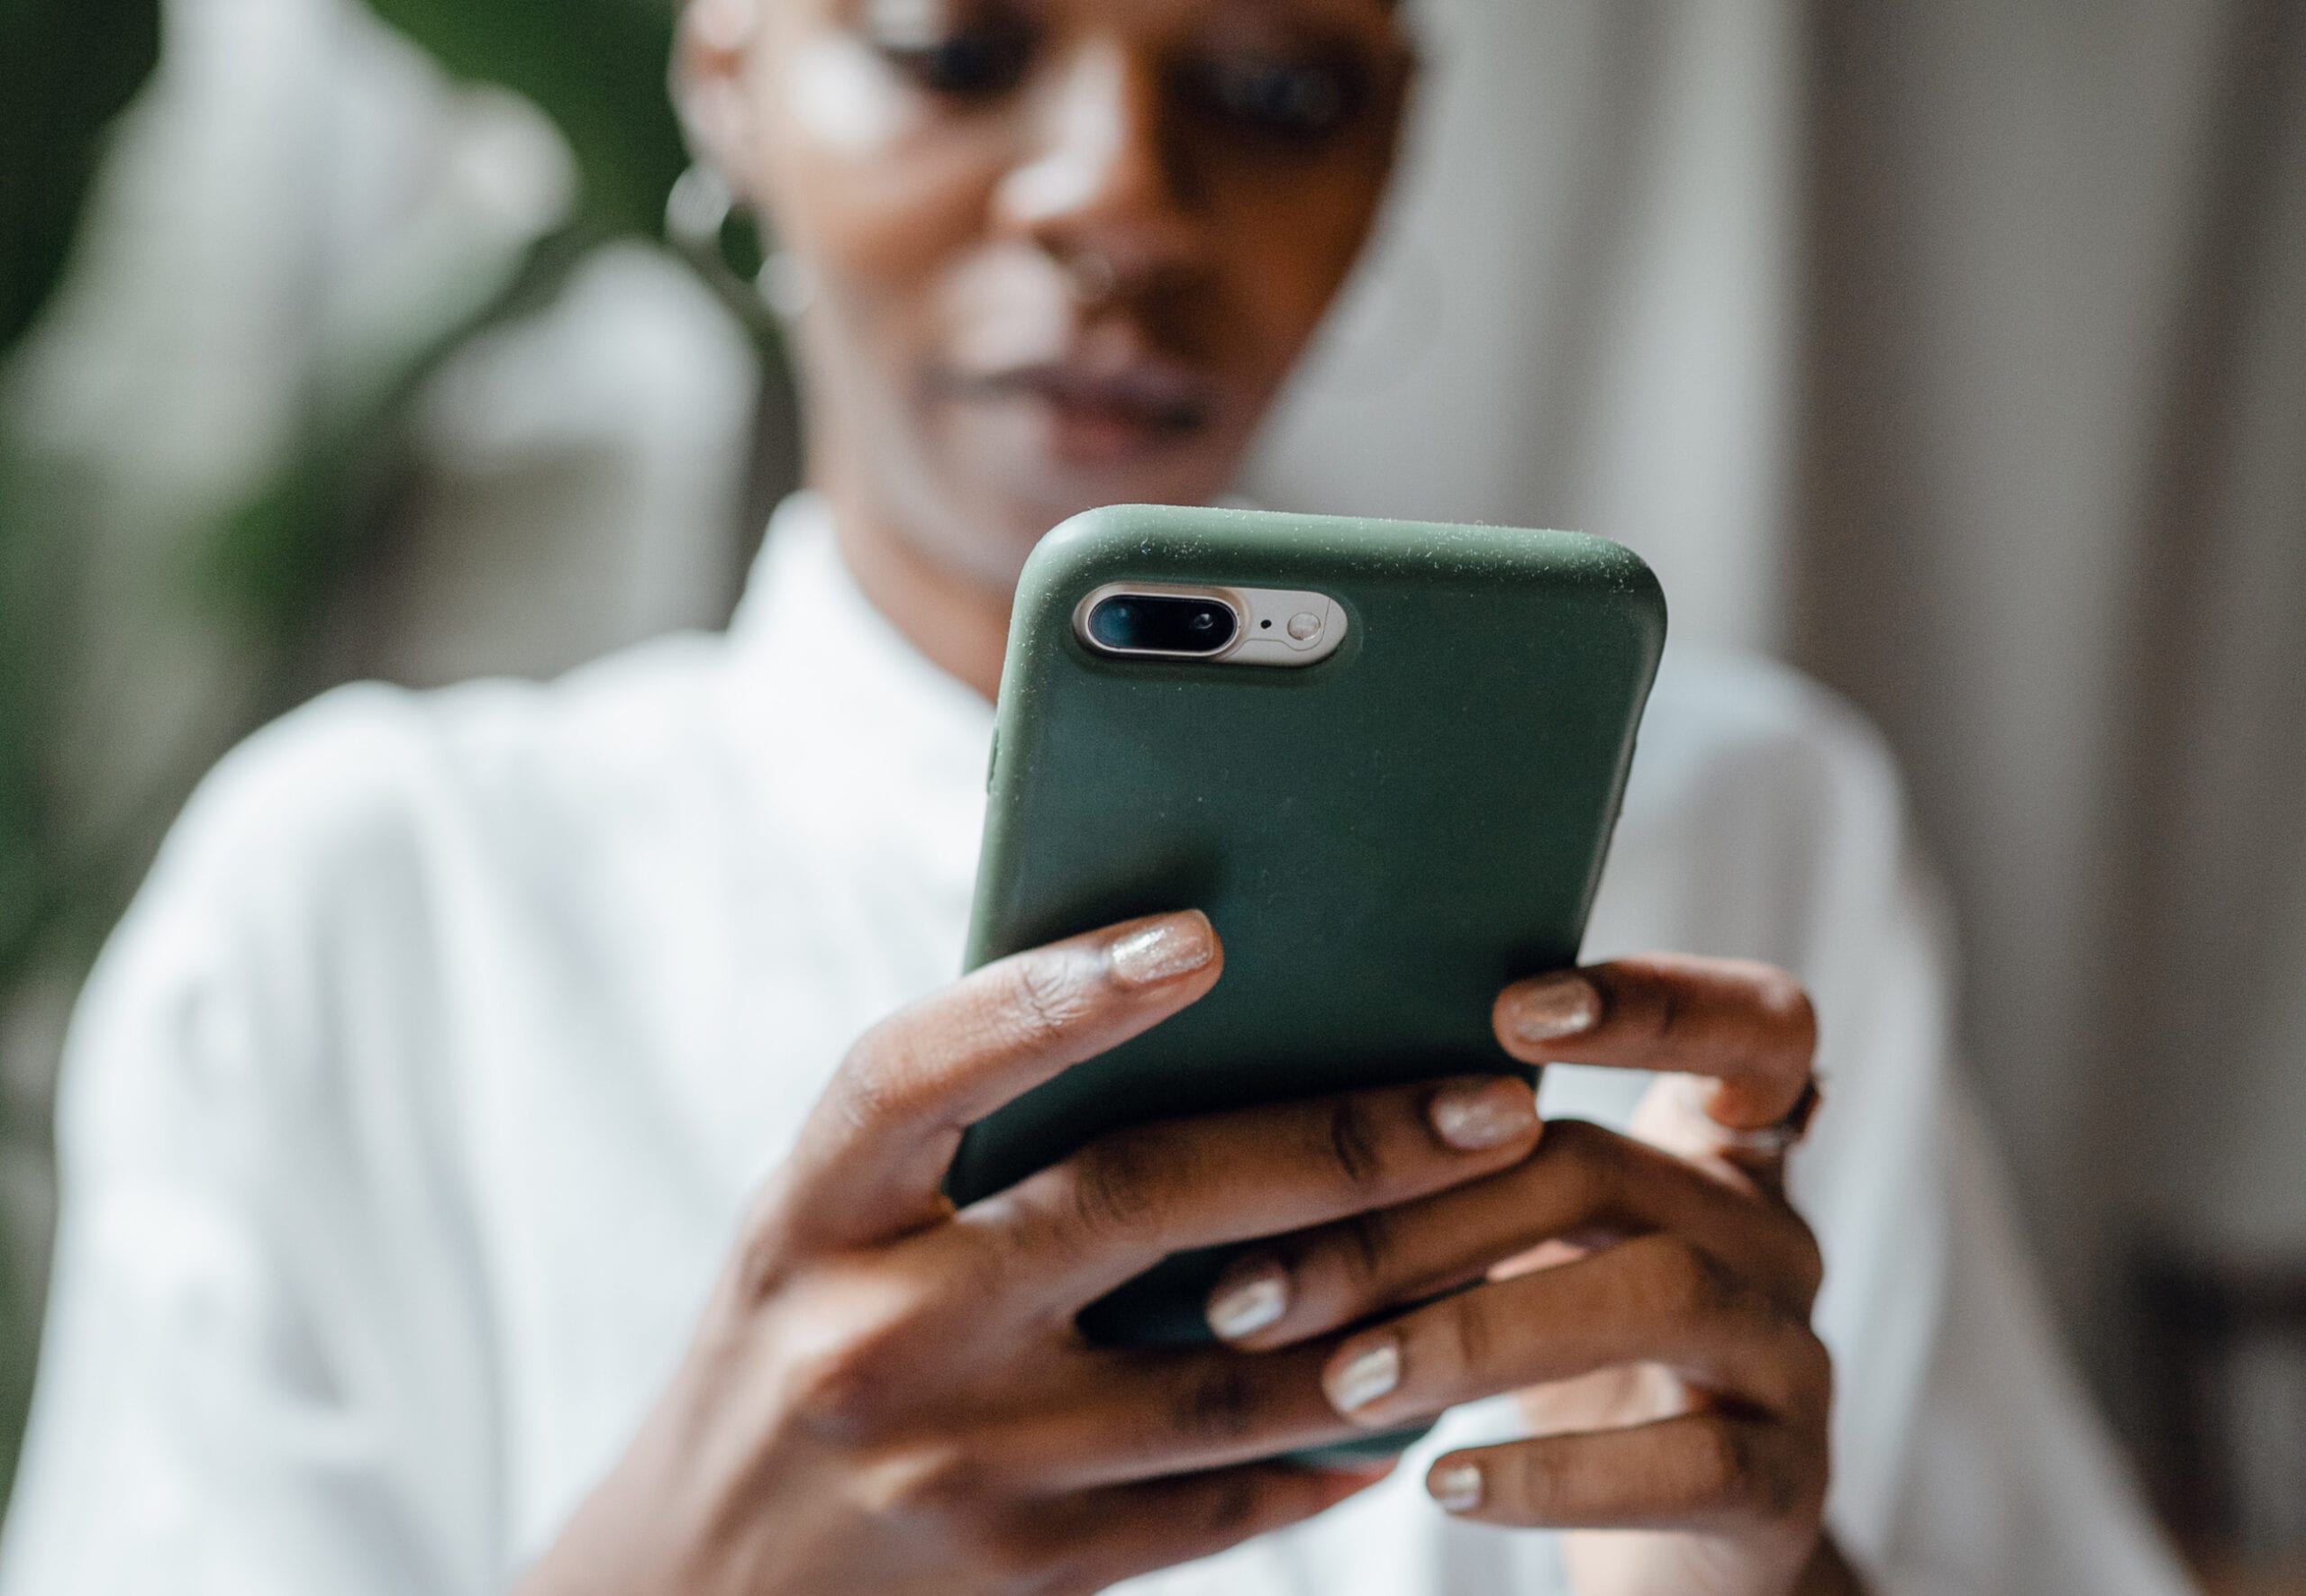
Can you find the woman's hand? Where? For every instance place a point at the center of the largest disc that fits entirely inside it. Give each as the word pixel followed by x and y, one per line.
pixel 1648 1297
pixel 887 1396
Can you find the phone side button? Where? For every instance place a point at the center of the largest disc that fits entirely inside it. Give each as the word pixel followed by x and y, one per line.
pixel 992 759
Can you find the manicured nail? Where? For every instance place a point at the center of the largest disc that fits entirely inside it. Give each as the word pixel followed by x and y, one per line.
pixel 1474 1116
pixel 1251 1297
pixel 1455 1487
pixel 1364 1378
pixel 1548 1009
pixel 1164 950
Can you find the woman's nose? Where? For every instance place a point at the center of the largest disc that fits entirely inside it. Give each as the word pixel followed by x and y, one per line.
pixel 1104 180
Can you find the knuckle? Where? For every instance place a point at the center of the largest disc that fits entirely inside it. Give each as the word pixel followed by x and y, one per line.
pixel 1472 1338
pixel 1364 1243
pixel 1355 1145
pixel 1808 1267
pixel 1589 1164
pixel 1115 1186
pixel 1666 1013
pixel 943 1481
pixel 1230 1506
pixel 870 1089
pixel 985 1271
pixel 1720 1471
pixel 1776 1487
pixel 1217 1403
pixel 1534 1479
pixel 846 1381
pixel 1684 1285
pixel 1735 1472
pixel 1814 1370
pixel 837 1389
pixel 1046 1001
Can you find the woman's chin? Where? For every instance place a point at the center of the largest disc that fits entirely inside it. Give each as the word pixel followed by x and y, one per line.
pixel 1054 463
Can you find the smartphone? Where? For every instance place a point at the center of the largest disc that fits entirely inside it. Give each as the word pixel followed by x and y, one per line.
pixel 1385 758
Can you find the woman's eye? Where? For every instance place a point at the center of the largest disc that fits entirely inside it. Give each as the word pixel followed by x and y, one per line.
pixel 1298 101
pixel 971 62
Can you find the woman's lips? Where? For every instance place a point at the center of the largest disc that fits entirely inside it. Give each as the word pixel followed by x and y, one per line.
pixel 1100 413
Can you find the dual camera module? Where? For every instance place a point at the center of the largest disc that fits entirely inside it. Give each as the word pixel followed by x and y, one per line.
pixel 1163 623
pixel 1150 622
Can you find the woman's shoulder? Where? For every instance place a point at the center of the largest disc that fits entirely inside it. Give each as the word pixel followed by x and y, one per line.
pixel 1763 812
pixel 1723 724
pixel 371 781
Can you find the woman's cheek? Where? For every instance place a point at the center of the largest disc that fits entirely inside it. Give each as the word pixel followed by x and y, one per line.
pixel 843 101
pixel 1296 243
pixel 1285 299
pixel 874 176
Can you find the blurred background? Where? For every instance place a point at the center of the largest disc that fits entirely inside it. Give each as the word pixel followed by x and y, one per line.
pixel 1953 349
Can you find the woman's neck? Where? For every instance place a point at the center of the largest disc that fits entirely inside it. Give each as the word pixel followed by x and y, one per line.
pixel 960 626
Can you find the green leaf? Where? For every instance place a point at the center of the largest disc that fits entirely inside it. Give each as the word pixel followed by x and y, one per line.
pixel 268 564
pixel 598 67
pixel 66 68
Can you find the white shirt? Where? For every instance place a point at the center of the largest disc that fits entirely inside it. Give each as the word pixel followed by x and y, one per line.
pixel 410 1113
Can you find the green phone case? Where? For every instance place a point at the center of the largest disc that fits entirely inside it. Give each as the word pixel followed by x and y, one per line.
pixel 1384 839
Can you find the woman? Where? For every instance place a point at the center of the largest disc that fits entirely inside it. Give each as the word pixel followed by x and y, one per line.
pixel 503 1145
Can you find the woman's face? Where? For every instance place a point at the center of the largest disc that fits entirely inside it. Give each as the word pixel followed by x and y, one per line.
pixel 1057 253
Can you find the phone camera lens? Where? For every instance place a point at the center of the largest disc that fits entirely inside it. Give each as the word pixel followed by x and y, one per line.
pixel 1162 623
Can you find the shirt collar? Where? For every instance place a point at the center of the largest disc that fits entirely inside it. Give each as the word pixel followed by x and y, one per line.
pixel 841 703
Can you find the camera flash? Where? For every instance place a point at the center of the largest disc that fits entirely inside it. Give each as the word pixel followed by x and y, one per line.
pixel 1304 626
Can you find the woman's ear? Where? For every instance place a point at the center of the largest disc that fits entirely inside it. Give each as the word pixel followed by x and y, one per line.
pixel 712 53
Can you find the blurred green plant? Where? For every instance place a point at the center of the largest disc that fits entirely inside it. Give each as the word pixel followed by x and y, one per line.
pixel 65 72
pixel 598 67
pixel 597 70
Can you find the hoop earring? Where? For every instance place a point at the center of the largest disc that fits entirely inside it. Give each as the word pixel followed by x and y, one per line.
pixel 712 228
pixel 786 285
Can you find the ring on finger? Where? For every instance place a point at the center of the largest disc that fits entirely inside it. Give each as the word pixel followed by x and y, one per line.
pixel 1773 1140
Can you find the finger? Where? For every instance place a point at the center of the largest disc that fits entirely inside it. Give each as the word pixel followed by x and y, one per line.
pixel 1101 1537
pixel 1107 1418
pixel 1748 1026
pixel 1584 1184
pixel 1082 1227
pixel 871 1159
pixel 1678 1114
pixel 1695 1471
pixel 1657 1300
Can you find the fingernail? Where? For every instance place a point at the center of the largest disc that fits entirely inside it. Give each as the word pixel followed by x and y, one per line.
pixel 1455 1487
pixel 1364 1378
pixel 1250 1297
pixel 1474 1116
pixel 1163 951
pixel 1556 1007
